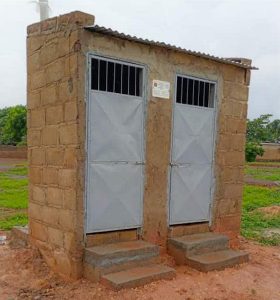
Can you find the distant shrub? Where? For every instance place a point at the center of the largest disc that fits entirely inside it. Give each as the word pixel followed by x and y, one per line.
pixel 252 150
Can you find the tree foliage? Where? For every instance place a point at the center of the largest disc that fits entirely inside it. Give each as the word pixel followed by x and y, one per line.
pixel 13 125
pixel 274 130
pixel 261 130
pixel 252 150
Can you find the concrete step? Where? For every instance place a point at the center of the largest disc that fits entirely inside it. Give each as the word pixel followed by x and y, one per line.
pixel 195 244
pixel 19 236
pixel 108 258
pixel 137 276
pixel 217 260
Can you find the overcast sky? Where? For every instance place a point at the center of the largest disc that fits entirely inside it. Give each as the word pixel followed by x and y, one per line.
pixel 227 28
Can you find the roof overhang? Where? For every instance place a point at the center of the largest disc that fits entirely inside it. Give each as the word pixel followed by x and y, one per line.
pixel 230 61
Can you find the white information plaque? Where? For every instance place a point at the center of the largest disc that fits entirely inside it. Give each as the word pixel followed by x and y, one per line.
pixel 161 89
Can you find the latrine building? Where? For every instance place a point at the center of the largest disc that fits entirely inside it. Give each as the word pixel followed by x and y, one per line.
pixel 135 148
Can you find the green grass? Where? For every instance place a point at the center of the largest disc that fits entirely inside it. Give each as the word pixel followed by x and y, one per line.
pixel 19 170
pixel 14 195
pixel 15 220
pixel 255 222
pixel 13 190
pixel 272 174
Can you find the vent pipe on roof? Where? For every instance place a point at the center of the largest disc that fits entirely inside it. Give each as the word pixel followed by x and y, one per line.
pixel 44 9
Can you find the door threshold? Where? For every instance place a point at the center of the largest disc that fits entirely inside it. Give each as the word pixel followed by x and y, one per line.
pixel 190 228
pixel 100 238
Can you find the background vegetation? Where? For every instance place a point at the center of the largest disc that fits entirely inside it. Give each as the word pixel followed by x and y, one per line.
pixel 13 125
pixel 260 130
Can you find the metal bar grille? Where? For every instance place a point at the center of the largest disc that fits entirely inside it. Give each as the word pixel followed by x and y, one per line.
pixel 109 76
pixel 195 92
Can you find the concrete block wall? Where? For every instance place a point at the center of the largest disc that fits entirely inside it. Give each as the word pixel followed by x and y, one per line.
pixel 230 157
pixel 56 50
pixel 233 86
pixel 55 145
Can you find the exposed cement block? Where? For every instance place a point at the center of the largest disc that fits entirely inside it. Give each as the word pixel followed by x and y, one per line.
pixel 19 237
pixel 218 260
pixel 137 276
pixel 200 243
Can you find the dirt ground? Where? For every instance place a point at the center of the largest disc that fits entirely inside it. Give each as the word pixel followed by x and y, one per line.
pixel 259 182
pixel 23 275
pixel 8 163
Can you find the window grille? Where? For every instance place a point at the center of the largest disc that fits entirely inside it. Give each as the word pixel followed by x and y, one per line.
pixel 116 77
pixel 195 92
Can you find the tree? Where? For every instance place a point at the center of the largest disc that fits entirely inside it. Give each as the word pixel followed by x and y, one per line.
pixel 257 130
pixel 261 130
pixel 3 117
pixel 13 125
pixel 274 130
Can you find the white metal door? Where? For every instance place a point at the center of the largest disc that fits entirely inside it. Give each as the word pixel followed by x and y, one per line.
pixel 115 154
pixel 192 152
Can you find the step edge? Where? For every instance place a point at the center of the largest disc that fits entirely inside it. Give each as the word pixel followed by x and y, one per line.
pixel 94 274
pixel 203 235
pixel 217 266
pixel 143 244
pixel 193 258
pixel 118 260
pixel 154 265
pixel 186 245
pixel 169 273
pixel 121 252
pixel 151 248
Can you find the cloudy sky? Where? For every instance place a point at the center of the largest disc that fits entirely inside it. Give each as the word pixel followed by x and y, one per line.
pixel 227 28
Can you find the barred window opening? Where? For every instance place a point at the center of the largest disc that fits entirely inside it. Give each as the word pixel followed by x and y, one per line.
pixel 195 92
pixel 116 77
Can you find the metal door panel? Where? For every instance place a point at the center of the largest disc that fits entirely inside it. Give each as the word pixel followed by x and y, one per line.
pixel 117 129
pixel 191 176
pixel 115 160
pixel 192 134
pixel 190 186
pixel 116 197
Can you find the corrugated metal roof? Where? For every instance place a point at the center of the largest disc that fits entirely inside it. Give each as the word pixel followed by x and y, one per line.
pixel 109 31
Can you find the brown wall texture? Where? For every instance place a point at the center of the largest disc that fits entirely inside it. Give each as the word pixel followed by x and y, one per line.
pixel 56 50
pixel 56 141
pixel 233 84
pixel 271 152
pixel 13 152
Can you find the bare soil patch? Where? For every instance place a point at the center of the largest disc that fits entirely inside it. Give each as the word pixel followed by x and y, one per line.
pixel 260 182
pixel 8 163
pixel 265 164
pixel 272 232
pixel 270 210
pixel 24 275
